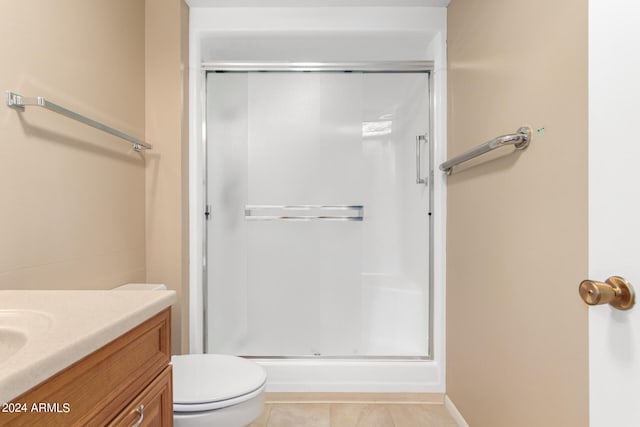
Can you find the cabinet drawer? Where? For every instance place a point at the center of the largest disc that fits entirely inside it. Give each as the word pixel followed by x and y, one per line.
pixel 95 389
pixel 152 408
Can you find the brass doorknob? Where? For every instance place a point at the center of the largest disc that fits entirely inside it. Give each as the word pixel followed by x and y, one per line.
pixel 615 291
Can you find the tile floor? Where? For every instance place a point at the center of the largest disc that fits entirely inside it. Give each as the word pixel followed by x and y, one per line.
pixel 277 414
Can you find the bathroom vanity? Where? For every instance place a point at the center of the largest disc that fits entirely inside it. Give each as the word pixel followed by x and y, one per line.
pixel 85 358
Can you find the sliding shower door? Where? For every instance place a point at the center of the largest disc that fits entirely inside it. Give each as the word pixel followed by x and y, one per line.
pixel 318 232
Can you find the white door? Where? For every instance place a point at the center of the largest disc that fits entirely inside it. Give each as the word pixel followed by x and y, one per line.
pixel 614 208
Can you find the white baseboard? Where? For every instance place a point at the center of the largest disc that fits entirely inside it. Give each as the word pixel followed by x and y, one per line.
pixel 455 414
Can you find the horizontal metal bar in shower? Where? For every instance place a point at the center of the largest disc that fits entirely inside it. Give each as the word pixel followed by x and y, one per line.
pixel 304 212
pixel 19 102
pixel 520 140
pixel 365 67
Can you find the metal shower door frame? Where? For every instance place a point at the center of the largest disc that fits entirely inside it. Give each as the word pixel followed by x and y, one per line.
pixel 386 67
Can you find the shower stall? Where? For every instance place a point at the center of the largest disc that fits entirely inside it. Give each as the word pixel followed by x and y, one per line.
pixel 318 211
pixel 316 218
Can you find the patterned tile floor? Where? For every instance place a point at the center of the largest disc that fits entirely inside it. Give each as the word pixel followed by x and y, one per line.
pixel 354 415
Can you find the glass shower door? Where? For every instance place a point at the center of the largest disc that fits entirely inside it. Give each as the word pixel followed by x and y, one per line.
pixel 317 243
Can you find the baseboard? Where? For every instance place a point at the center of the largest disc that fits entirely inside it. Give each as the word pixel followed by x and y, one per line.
pixel 455 414
pixel 347 397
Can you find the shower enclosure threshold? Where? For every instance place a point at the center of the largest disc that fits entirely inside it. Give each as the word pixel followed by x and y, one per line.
pixel 352 375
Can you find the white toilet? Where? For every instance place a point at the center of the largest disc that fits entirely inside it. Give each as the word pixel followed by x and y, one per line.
pixel 212 389
pixel 216 390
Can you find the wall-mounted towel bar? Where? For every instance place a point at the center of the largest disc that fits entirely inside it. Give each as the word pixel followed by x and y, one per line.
pixel 520 140
pixel 304 212
pixel 19 102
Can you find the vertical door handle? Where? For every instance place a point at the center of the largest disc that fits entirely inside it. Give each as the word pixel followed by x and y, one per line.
pixel 420 139
pixel 615 291
pixel 140 412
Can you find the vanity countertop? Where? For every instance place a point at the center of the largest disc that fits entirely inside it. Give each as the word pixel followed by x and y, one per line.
pixel 46 331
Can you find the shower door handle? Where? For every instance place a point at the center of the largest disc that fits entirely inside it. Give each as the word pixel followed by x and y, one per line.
pixel 420 139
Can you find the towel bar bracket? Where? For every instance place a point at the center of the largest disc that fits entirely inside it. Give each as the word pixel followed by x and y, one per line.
pixel 15 101
pixel 527 139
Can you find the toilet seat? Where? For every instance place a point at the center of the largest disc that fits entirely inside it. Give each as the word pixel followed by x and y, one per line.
pixel 203 382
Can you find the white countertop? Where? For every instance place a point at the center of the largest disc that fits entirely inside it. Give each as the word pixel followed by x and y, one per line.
pixel 77 323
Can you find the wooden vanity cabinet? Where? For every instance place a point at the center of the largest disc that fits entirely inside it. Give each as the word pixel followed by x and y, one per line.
pixel 109 386
pixel 152 407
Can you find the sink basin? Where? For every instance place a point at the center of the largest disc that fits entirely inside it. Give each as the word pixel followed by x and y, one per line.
pixel 17 327
pixel 11 341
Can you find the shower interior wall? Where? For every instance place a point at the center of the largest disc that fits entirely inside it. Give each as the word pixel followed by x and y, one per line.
pixel 331 34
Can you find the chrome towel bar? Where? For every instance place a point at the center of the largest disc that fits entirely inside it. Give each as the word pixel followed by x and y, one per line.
pixel 19 102
pixel 304 212
pixel 520 140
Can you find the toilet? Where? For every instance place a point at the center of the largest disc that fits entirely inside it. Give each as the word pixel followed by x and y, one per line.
pixel 213 389
pixel 216 390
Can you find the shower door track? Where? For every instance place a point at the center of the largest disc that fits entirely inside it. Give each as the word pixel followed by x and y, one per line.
pixel 335 67
pixel 338 67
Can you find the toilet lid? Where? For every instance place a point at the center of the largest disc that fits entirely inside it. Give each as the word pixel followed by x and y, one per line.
pixel 208 378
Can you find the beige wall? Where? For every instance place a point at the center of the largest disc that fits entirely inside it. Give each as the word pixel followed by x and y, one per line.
pixel 72 197
pixel 517 225
pixel 167 173
pixel 80 209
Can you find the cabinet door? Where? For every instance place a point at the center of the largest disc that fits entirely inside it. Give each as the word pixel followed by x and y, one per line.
pixel 152 407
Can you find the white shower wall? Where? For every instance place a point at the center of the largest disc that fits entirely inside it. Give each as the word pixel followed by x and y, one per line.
pixel 309 34
pixel 323 287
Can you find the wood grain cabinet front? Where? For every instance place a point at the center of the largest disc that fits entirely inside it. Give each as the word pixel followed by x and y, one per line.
pixel 99 389
pixel 152 408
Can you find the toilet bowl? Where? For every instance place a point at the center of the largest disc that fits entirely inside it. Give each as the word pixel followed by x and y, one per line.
pixel 216 390
pixel 212 389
